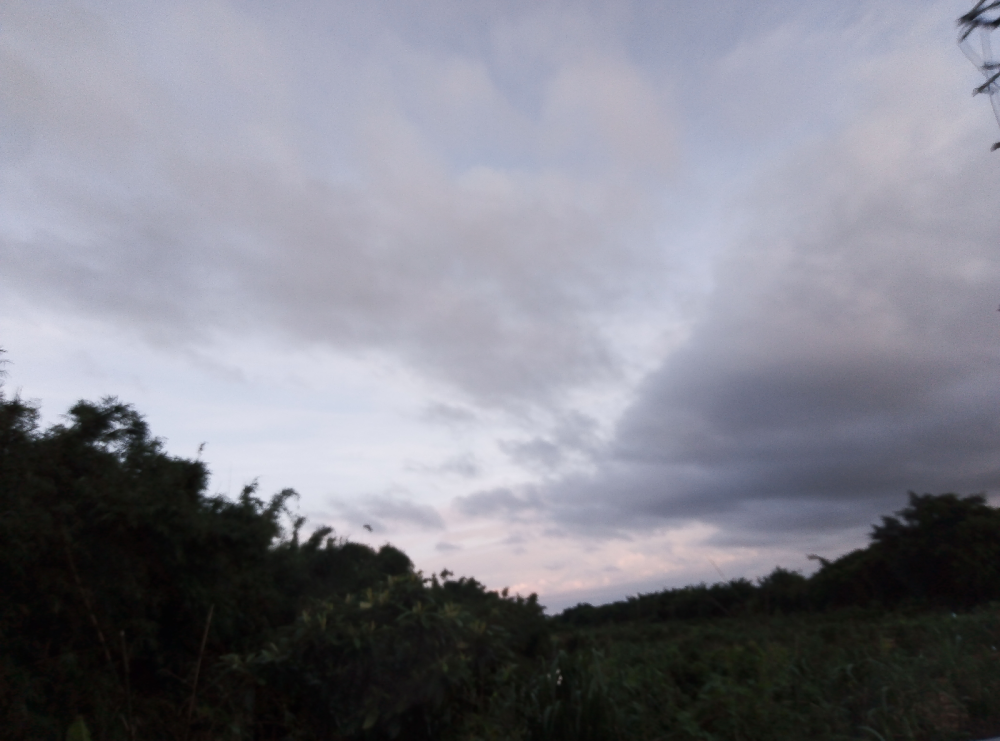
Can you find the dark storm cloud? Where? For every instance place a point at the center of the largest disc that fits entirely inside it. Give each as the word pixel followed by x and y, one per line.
pixel 850 351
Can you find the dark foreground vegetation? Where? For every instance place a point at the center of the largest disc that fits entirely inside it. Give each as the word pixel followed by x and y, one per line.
pixel 135 606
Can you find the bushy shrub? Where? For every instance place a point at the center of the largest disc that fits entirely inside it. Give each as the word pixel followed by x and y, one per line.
pixel 398 660
pixel 124 584
pixel 939 551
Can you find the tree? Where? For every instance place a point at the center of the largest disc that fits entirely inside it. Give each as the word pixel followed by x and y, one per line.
pixel 941 550
pixel 984 14
pixel 139 606
pixel 984 17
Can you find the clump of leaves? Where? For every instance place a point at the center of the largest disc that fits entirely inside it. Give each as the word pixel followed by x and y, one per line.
pixel 396 660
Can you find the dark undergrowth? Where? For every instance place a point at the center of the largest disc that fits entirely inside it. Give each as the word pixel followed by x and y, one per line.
pixel 847 675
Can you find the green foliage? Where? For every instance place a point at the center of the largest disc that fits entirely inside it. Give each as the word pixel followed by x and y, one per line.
pixel 398 660
pixel 78 730
pixel 569 700
pixel 940 551
pixel 825 677
pixel 116 565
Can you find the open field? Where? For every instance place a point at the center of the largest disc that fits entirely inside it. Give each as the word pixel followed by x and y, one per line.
pixel 846 675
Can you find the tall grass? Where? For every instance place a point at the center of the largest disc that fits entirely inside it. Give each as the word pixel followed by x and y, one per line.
pixel 847 676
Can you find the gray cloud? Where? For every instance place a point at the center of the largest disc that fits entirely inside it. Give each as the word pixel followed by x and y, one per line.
pixel 573 433
pixel 501 501
pixel 187 199
pixel 463 465
pixel 848 354
pixel 448 415
pixel 537 452
pixel 379 509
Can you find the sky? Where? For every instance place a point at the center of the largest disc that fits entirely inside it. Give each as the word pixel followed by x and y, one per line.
pixel 577 298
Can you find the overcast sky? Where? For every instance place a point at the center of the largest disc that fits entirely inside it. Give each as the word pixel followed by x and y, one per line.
pixel 582 298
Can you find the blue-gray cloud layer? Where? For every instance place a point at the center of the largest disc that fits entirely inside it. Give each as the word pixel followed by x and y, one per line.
pixel 850 351
pixel 479 194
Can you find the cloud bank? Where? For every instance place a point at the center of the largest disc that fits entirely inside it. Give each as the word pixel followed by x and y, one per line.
pixel 656 282
pixel 849 351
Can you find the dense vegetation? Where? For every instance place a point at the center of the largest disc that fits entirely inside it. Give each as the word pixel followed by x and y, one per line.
pixel 939 552
pixel 137 606
pixel 136 602
pixel 826 677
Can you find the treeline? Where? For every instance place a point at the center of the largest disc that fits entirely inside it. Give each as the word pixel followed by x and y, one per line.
pixel 135 606
pixel 941 551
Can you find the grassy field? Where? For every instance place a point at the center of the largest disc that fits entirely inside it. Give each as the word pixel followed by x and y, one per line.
pixel 850 675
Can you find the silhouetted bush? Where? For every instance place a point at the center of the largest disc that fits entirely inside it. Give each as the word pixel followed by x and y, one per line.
pixel 116 566
pixel 940 551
